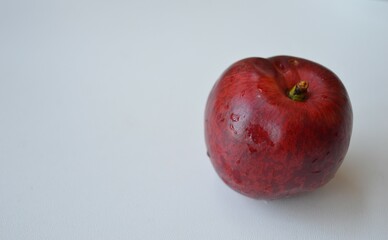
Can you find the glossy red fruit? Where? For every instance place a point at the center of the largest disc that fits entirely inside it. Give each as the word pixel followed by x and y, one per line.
pixel 277 127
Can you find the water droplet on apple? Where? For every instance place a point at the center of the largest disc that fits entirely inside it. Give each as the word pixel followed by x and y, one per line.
pixel 234 117
pixel 243 93
pixel 294 62
pixel 260 91
pixel 232 128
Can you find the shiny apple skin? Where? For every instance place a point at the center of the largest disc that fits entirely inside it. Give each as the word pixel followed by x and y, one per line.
pixel 263 144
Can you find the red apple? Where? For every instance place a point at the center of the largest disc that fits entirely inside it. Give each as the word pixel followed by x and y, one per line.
pixel 277 127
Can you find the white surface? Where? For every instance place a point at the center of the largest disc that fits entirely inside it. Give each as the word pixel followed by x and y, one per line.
pixel 101 118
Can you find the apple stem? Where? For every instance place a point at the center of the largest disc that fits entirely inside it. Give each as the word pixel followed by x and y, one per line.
pixel 299 91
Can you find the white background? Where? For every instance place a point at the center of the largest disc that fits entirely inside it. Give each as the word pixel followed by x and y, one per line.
pixel 101 118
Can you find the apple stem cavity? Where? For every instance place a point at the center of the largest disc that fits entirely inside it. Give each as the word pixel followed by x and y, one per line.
pixel 299 91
